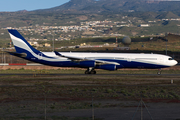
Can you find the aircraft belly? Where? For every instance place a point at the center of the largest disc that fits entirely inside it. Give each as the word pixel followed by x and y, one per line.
pixel 123 64
pixel 134 64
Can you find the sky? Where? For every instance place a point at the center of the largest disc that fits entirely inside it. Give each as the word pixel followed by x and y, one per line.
pixel 16 5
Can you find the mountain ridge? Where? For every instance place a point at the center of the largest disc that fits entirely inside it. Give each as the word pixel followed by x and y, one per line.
pixel 94 6
pixel 92 10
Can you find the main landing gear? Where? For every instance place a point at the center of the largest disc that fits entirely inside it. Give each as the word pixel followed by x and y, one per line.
pixel 90 71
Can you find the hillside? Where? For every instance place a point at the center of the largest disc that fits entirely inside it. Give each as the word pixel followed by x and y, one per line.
pixel 98 6
pixel 93 10
pixel 167 15
pixel 122 13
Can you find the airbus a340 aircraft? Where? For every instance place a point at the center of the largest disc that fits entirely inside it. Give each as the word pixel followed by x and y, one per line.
pixel 91 61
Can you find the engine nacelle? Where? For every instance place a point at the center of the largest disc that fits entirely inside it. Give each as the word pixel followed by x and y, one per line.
pixel 110 67
pixel 87 63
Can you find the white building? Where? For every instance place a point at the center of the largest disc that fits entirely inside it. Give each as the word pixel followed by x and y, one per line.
pixel 143 25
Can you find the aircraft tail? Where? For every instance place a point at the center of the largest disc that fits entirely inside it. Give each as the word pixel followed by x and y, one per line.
pixel 21 45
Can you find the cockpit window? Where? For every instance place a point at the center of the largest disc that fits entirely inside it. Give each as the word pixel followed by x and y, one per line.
pixel 170 59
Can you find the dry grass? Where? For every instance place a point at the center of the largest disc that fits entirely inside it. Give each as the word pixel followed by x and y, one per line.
pixel 24 96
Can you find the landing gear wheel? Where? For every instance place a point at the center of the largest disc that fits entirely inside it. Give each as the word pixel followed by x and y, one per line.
pixel 159 73
pixel 93 72
pixel 87 72
pixel 90 72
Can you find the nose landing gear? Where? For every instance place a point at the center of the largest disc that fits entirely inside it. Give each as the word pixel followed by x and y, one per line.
pixel 159 71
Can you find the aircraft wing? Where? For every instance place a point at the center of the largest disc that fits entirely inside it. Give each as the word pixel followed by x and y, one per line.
pixel 79 59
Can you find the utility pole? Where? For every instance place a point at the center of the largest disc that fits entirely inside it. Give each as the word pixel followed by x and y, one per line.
pixel 2 56
pixel 141 103
pixel 166 41
pixel 45 106
pixel 45 103
pixel 11 49
pixel 141 110
pixel 53 41
pixel 92 108
pixel 116 42
pixel 166 46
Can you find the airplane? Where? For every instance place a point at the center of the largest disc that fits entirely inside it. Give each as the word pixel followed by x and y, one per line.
pixel 90 61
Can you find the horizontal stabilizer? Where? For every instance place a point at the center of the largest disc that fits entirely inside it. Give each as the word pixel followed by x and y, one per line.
pixel 23 55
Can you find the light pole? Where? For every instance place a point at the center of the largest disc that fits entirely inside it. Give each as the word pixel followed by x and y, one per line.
pixel 53 41
pixel 166 41
pixel 166 46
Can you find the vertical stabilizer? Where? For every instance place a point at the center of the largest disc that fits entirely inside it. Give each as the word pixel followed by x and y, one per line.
pixel 20 44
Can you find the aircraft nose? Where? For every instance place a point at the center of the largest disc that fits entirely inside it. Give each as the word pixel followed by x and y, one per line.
pixel 175 62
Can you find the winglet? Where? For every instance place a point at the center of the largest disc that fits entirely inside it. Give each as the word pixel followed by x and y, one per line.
pixel 57 53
